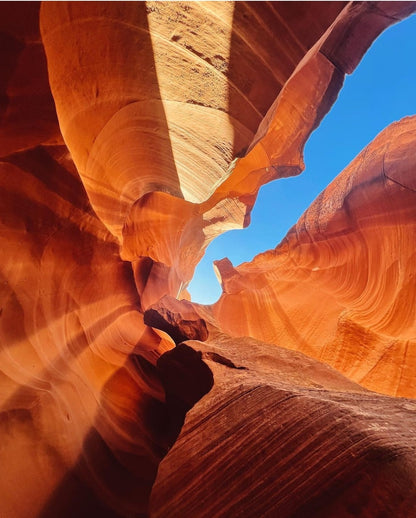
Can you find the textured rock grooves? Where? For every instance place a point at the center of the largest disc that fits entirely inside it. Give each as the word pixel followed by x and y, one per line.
pixel 171 117
pixel 272 441
pixel 352 251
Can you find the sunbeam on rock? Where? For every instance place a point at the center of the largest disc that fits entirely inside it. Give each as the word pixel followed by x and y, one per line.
pixel 132 134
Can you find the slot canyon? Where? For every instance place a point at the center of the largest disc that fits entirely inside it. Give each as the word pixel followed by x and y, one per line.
pixel 132 134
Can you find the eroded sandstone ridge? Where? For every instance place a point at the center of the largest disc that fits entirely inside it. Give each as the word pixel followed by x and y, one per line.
pixel 131 135
pixel 341 285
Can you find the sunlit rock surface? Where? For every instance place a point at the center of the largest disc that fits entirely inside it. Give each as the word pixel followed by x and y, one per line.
pixel 154 150
pixel 341 286
pixel 132 134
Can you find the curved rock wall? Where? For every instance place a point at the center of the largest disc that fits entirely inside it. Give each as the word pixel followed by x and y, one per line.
pixel 171 117
pixel 283 435
pixel 155 112
pixel 341 285
pixel 27 111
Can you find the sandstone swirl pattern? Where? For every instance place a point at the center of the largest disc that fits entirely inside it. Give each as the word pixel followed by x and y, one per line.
pixel 131 135
pixel 341 285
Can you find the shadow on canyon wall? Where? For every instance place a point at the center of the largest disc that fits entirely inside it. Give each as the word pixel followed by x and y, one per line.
pixel 111 462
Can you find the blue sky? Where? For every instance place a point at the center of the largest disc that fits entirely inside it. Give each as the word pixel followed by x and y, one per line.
pixel 380 91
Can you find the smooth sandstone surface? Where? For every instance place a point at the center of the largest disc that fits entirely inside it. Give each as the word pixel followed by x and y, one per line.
pixel 341 285
pixel 131 135
pixel 280 434
pixel 154 151
pixel 27 110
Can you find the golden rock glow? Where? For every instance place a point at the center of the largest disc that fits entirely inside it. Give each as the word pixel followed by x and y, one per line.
pixel 131 135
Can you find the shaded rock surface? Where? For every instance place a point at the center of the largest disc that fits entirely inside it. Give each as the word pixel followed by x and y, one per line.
pixel 288 437
pixel 176 318
pixel 131 135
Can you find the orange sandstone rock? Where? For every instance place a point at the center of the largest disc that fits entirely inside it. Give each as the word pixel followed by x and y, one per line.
pixel 76 357
pixel 134 127
pixel 341 286
pixel 27 110
pixel 171 117
pixel 176 318
pixel 287 436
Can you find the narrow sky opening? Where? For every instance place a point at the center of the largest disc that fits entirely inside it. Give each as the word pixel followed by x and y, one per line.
pixel 379 92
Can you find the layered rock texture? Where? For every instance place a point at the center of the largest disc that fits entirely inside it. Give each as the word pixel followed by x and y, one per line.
pixel 341 285
pixel 131 135
pixel 283 435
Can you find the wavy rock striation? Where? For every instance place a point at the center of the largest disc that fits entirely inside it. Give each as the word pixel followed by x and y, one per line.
pixel 131 135
pixel 154 174
pixel 341 286
pixel 287 436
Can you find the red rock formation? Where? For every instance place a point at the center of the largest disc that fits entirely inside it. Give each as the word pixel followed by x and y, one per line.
pixel 180 201
pixel 73 342
pixel 27 110
pixel 290 437
pixel 341 286
pixel 178 319
pixel 171 117
pixel 136 137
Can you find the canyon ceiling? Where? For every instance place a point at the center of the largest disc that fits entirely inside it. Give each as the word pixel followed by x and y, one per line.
pixel 131 135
